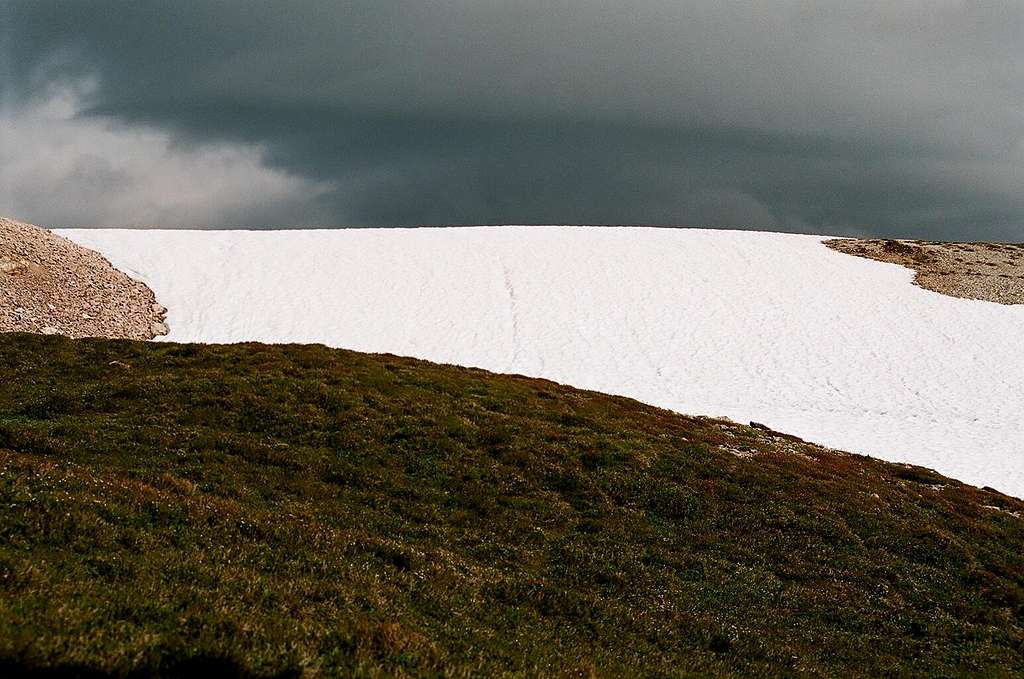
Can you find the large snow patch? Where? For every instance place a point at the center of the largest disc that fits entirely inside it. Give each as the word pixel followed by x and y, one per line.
pixel 754 326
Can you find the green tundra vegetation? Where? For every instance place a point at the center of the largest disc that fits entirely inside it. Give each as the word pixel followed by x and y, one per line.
pixel 286 510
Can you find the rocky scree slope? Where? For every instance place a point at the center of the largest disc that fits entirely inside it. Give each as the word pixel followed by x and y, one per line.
pixel 52 286
pixel 993 272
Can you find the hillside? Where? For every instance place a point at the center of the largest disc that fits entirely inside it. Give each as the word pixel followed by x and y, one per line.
pixel 285 509
pixel 776 328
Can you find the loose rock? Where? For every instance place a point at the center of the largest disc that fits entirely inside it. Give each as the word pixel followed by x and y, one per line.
pixel 50 285
pixel 989 271
pixel 12 267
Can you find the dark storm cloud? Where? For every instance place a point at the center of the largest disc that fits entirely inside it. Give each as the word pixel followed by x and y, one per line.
pixel 896 117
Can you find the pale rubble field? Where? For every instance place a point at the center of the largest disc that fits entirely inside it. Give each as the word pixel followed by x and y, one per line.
pixel 52 286
pixel 777 328
pixel 989 271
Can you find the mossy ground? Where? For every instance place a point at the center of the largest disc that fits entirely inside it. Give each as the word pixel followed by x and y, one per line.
pixel 275 510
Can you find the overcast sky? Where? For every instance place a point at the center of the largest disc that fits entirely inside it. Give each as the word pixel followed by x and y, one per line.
pixel 895 117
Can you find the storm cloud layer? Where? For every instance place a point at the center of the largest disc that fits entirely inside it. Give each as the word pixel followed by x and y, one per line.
pixel 900 117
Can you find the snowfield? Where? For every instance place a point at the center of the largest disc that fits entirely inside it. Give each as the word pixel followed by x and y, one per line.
pixel 770 327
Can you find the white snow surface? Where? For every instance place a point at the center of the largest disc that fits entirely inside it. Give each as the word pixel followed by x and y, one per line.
pixel 776 328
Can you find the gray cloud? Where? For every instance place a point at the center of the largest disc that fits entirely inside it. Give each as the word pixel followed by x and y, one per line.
pixel 58 169
pixel 893 117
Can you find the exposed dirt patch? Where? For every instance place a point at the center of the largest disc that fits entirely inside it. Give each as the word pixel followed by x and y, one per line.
pixel 52 286
pixel 987 271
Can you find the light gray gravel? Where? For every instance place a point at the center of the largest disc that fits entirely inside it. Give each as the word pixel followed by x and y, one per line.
pixel 988 271
pixel 52 286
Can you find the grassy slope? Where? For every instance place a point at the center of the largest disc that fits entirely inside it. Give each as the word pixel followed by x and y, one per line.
pixel 270 508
